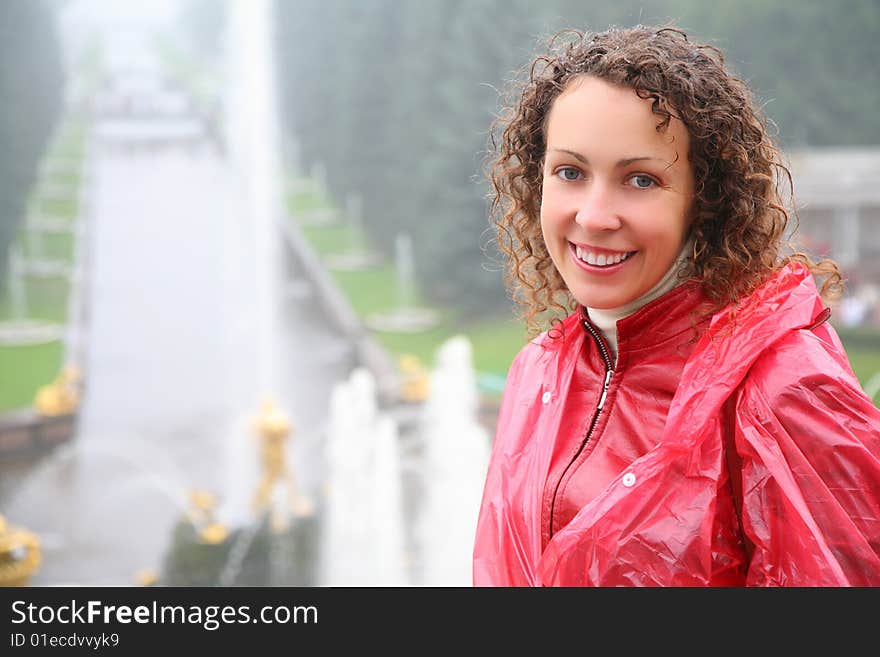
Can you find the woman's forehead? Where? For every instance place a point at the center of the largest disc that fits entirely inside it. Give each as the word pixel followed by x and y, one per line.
pixel 595 115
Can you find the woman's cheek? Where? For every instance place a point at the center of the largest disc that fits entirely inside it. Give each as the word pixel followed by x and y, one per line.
pixel 551 210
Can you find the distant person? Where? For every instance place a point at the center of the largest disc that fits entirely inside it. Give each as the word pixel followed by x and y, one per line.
pixel 693 420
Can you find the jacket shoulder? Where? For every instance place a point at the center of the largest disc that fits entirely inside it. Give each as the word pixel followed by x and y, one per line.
pixel 807 359
pixel 809 440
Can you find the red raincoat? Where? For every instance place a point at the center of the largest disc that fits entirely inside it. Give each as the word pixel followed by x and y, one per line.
pixel 777 384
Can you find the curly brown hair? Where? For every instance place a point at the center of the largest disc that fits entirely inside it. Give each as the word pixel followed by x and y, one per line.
pixel 739 220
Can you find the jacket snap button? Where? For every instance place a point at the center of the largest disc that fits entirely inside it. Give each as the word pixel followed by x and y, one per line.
pixel 629 479
pixel 546 397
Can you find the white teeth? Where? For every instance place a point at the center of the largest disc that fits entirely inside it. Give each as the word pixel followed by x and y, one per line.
pixel 601 260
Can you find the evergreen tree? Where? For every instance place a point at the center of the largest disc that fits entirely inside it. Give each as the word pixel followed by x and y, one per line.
pixel 31 85
pixel 309 34
pixel 416 108
pixel 489 41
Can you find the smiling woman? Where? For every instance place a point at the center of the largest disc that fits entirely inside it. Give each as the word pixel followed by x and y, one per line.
pixel 693 420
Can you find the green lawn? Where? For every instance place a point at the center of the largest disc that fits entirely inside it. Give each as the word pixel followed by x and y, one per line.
pixel 70 141
pixel 303 201
pixel 332 238
pixel 52 246
pixel 68 177
pixel 45 299
pixel 370 290
pixel 24 369
pixel 865 364
pixel 495 341
pixel 57 207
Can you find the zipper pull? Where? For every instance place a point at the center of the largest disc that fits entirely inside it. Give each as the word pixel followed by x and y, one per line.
pixel 605 389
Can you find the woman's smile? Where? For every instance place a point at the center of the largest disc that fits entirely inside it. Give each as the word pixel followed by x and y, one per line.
pixel 599 261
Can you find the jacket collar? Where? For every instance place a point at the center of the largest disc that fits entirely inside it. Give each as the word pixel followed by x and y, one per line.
pixel 789 298
pixel 665 318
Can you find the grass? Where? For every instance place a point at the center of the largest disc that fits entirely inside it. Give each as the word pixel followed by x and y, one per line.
pixel 57 207
pixel 494 341
pixel 24 369
pixel 68 152
pixel 52 246
pixel 329 239
pixel 46 299
pixel 370 290
pixel 865 364
pixel 305 201
pixel 69 178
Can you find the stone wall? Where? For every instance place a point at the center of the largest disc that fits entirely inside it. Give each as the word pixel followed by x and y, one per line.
pixel 25 434
pixel 368 352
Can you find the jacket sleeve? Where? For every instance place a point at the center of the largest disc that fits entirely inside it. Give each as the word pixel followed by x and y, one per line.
pixel 809 440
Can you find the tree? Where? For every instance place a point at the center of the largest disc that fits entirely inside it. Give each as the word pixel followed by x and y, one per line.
pixel 31 85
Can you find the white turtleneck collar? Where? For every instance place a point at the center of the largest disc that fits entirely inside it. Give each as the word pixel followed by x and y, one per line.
pixel 606 319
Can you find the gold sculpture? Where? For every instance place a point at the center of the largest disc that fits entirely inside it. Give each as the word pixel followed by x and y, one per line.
pixel 146 577
pixel 19 554
pixel 415 380
pixel 273 429
pixel 61 397
pixel 201 515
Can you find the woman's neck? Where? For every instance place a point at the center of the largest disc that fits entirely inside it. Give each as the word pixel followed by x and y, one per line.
pixel 606 319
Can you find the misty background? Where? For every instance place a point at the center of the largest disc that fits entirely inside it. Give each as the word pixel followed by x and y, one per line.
pixel 394 99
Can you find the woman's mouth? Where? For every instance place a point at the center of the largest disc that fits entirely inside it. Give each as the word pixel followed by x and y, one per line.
pixel 599 260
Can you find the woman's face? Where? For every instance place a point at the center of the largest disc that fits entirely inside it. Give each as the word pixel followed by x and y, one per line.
pixel 616 193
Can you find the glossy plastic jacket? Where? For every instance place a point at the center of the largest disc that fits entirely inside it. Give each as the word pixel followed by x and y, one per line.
pixel 807 436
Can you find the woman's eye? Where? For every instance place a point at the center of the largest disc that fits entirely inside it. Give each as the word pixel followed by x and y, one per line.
pixel 641 181
pixel 568 173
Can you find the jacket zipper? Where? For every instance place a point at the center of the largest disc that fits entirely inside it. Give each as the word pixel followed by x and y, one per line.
pixel 609 371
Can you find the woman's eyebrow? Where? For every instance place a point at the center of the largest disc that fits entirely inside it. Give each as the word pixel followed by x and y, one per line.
pixel 621 163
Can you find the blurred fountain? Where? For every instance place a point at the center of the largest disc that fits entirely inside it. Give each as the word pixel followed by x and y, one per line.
pixel 406 275
pixel 354 210
pixel 17 291
pixel 253 135
pixel 72 519
pixel 456 456
pixel 407 316
pixel 319 179
pixel 357 255
pixel 363 541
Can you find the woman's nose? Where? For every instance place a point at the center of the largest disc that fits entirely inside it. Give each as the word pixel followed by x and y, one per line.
pixel 597 210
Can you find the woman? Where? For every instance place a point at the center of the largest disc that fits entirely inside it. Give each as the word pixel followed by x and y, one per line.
pixel 693 420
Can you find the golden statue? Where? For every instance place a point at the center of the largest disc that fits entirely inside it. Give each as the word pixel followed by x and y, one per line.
pixel 19 554
pixel 415 380
pixel 146 577
pixel 201 515
pixel 273 429
pixel 61 397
